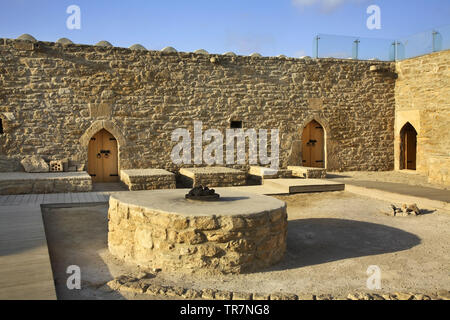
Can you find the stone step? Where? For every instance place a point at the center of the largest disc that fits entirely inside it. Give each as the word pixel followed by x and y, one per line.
pixel 289 186
pixel 259 174
pixel 148 179
pixel 308 173
pixel 212 177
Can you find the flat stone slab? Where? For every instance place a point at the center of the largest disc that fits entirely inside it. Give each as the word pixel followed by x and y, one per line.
pixel 289 186
pixel 242 232
pixel 212 177
pixel 52 182
pixel 308 173
pixel 148 179
pixel 258 174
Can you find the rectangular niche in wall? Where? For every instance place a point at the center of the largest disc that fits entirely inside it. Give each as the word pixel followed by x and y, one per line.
pixel 236 124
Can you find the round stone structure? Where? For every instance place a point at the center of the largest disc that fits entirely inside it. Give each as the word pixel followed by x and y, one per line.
pixel 240 233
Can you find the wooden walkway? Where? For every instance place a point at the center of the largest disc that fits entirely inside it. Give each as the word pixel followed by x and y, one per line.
pixel 25 269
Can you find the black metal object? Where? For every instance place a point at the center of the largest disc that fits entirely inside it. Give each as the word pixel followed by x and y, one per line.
pixel 201 193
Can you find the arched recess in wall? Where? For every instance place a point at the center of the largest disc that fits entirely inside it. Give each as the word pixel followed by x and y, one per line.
pixel 101 143
pixel 313 134
pixel 408 147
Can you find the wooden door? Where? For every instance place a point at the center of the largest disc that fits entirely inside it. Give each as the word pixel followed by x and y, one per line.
pixel 102 157
pixel 409 148
pixel 313 144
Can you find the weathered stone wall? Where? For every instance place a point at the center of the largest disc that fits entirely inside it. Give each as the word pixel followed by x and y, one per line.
pixel 53 98
pixel 422 98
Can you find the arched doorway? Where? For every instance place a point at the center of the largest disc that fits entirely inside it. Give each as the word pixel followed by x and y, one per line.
pixel 313 145
pixel 103 158
pixel 408 147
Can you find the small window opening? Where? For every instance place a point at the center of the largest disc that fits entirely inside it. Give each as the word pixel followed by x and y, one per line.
pixel 236 125
pixel 1 126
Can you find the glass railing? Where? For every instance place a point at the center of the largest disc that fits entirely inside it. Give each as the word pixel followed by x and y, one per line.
pixel 346 47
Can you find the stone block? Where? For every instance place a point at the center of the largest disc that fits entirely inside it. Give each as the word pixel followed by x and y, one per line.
pixel 34 164
pixel 308 173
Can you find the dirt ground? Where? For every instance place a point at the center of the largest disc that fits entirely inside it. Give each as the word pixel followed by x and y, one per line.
pixel 332 240
pixel 405 176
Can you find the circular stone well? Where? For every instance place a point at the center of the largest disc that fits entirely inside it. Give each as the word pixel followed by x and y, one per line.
pixel 241 232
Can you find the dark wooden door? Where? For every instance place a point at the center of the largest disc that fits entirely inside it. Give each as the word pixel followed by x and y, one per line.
pixel 313 144
pixel 409 147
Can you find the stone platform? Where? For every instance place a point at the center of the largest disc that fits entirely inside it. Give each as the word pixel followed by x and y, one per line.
pixel 242 232
pixel 35 183
pixel 259 174
pixel 212 177
pixel 292 186
pixel 148 179
pixel 308 173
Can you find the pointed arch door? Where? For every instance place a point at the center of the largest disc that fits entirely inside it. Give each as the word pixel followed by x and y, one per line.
pixel 313 145
pixel 408 147
pixel 103 157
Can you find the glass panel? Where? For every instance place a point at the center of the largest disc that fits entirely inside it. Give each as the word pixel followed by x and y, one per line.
pixel 345 47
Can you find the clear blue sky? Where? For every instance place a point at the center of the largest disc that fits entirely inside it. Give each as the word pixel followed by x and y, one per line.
pixel 243 26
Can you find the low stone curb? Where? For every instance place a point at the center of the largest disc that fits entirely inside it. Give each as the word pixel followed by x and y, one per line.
pixel 148 286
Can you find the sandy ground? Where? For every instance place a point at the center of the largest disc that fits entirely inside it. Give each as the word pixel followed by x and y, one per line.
pixel 332 240
pixel 407 177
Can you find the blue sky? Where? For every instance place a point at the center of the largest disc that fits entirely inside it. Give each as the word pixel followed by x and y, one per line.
pixel 243 26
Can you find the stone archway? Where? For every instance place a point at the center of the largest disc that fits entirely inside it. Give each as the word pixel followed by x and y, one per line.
pixel 324 125
pixel 97 127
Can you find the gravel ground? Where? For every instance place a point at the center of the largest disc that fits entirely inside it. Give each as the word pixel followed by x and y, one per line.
pixel 332 240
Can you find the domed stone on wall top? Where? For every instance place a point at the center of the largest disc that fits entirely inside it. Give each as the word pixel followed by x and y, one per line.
pixel 229 53
pixel 64 41
pixel 27 37
pixel 305 57
pixel 137 46
pixel 281 56
pixel 258 55
pixel 201 51
pixel 169 50
pixel 103 43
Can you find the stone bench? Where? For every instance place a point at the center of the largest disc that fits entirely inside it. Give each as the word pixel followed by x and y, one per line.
pixel 212 177
pixel 258 174
pixel 308 173
pixel 37 183
pixel 148 179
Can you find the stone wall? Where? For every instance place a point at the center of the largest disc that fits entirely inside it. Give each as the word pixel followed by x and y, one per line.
pixel 422 98
pixel 54 97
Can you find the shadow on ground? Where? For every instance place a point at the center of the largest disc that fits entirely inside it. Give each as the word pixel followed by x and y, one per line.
pixel 317 241
pixel 75 236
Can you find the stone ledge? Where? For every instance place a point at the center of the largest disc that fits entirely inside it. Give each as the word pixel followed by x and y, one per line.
pixel 148 179
pixel 146 285
pixel 36 183
pixel 258 174
pixel 212 177
pixel 308 173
